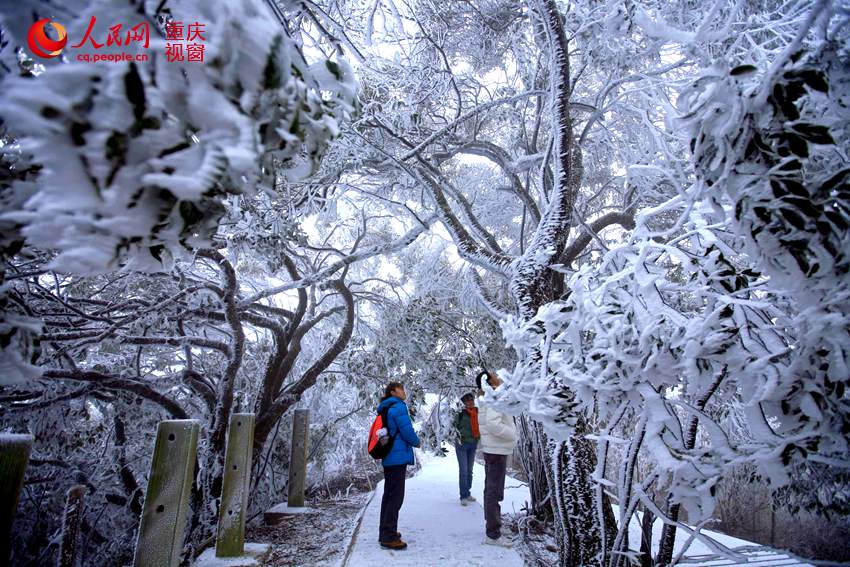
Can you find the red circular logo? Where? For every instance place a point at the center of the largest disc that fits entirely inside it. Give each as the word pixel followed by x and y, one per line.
pixel 42 45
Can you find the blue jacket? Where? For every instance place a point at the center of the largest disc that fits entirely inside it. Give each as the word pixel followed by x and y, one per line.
pixel 401 428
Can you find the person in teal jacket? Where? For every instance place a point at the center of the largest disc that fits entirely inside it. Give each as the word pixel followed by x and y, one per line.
pixel 400 428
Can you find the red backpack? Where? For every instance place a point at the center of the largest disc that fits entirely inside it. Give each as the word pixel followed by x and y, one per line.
pixel 380 446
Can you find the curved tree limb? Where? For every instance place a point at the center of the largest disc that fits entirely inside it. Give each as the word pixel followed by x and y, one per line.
pixel 466 207
pixel 117 383
pixel 363 254
pixel 485 299
pixel 575 248
pixel 224 404
pixel 468 248
pixel 467 115
pixel 267 420
pixel 530 283
pixel 501 158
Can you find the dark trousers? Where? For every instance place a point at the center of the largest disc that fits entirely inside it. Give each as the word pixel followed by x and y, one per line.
pixel 391 502
pixel 465 461
pixel 494 492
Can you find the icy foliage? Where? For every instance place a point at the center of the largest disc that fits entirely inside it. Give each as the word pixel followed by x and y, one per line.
pixel 664 244
pixel 18 348
pixel 776 160
pixel 132 164
pixel 744 311
pixel 137 158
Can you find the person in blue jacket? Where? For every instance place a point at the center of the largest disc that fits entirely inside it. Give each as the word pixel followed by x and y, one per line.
pixel 400 428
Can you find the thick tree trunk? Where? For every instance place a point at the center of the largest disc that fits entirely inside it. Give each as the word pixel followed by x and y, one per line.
pixel 534 284
pixel 576 518
pixel 289 396
pixel 128 479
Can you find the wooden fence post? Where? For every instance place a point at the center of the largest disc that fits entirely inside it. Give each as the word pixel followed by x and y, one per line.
pixel 163 524
pixel 71 519
pixel 298 458
pixel 230 541
pixel 14 456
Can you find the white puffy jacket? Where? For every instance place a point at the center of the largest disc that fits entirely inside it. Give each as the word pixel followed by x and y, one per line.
pixel 498 432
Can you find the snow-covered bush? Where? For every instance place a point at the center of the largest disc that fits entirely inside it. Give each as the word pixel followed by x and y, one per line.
pixel 743 304
pixel 769 147
pixel 136 158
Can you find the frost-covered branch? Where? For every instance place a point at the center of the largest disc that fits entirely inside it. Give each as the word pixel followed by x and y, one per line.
pixel 326 273
pixel 468 248
pixel 484 297
pixel 292 393
pixel 123 384
pixel 416 151
pixel 501 158
pixel 580 242
pixel 224 398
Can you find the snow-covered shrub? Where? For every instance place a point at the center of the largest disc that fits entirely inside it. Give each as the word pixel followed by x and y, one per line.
pixel 137 157
pixel 746 307
pixel 770 148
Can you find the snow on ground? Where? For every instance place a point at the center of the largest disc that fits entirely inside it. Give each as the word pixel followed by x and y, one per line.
pixel 285 509
pixel 251 557
pixel 516 491
pixel 437 529
pixel 698 553
pixel 729 551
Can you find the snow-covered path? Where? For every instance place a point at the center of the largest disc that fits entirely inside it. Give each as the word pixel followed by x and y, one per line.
pixel 437 529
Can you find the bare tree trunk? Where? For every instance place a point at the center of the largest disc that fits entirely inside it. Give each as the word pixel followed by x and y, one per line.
pixel 71 519
pixel 668 532
pixel 646 538
pixel 535 462
pixel 128 480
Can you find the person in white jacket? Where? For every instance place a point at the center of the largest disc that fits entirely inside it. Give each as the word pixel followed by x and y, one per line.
pixel 498 439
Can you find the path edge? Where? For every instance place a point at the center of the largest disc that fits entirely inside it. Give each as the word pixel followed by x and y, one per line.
pixel 353 539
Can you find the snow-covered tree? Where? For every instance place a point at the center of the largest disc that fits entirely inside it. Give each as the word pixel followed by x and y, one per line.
pixel 116 170
pixel 129 164
pixel 136 159
pixel 649 199
pixel 552 141
pixel 721 307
